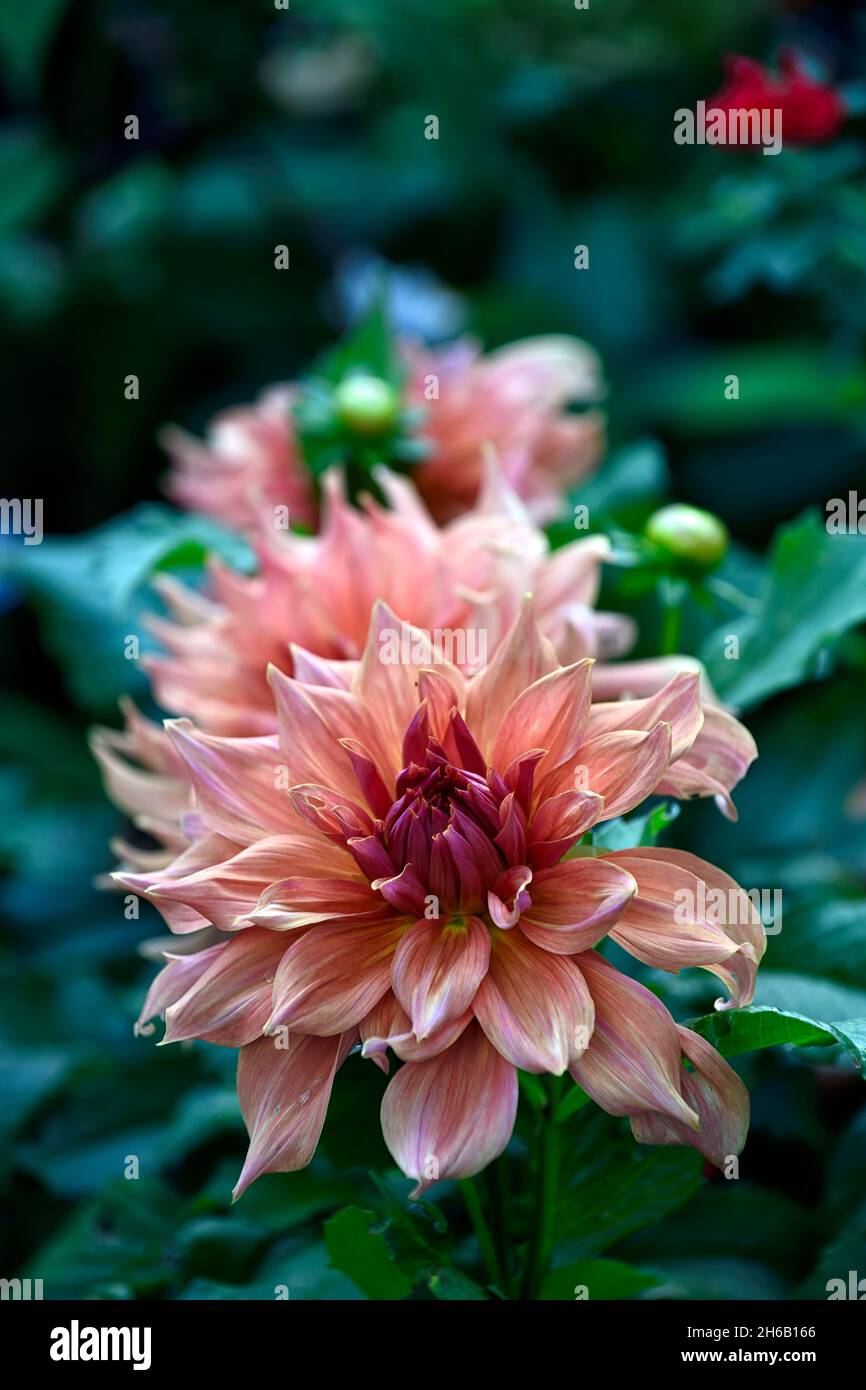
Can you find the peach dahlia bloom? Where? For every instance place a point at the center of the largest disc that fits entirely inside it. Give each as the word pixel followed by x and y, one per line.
pixel 514 399
pixel 317 592
pixel 391 870
pixel 307 610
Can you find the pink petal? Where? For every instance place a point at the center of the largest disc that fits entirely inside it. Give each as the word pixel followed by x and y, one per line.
pixel 437 968
pixel 575 903
pixel 534 1006
pixel 387 1025
pixel 172 983
pixel 632 1063
pixel 716 1093
pixel 552 713
pixel 284 1094
pixel 235 780
pixel 312 721
pixel 625 767
pixel 230 1003
pixel 719 758
pixel 523 658
pixel 678 703
pixel 226 893
pixel 303 902
pixel 558 823
pixel 725 909
pixel 330 978
pixel 449 1116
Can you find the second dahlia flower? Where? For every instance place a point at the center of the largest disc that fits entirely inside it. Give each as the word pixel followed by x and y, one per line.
pixel 514 400
pixel 399 870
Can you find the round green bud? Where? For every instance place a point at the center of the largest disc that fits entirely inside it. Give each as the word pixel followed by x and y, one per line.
pixel 366 404
pixel 689 534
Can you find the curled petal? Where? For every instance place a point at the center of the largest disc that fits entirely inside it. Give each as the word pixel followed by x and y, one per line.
pixel 626 766
pixel 678 703
pixel 284 1094
pixel 575 904
pixel 558 823
pixel 712 907
pixel 670 922
pixel 451 1115
pixel 719 758
pixel 534 1006
pixel 721 1101
pixel 388 1026
pixel 632 1063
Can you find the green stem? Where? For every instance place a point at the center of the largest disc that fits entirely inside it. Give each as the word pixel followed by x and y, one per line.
pixel 497 1188
pixel 547 1156
pixel 672 597
pixel 482 1231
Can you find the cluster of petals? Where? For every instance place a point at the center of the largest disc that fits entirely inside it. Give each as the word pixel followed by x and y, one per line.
pixel 811 111
pixel 514 400
pixel 306 612
pixel 398 869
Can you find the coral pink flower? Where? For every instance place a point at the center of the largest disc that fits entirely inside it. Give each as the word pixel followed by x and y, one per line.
pixel 393 868
pixel 464 581
pixel 249 464
pixel 811 112
pixel 309 606
pixel 514 400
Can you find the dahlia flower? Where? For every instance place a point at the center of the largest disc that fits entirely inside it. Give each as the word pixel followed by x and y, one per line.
pixel 307 611
pixel 811 112
pixel 514 399
pixel 464 580
pixel 397 869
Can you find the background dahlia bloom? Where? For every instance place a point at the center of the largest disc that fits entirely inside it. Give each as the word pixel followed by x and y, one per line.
pixel 309 606
pixel 249 463
pixel 811 112
pixel 390 870
pixel 515 399
pixel 465 580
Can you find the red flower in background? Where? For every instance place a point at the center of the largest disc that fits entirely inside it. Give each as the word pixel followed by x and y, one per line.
pixel 811 112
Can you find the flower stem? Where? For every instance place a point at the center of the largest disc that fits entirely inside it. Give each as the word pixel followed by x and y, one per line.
pixel 672 594
pixel 495 1272
pixel 547 1156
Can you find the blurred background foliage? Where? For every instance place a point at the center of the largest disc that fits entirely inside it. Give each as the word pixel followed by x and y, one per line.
pixel 260 127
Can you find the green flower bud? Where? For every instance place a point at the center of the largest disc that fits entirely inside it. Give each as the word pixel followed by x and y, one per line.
pixel 689 534
pixel 366 404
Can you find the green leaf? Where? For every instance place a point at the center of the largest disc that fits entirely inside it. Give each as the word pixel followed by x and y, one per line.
pixel 25 34
pixel 90 590
pixel 756 1027
pixel 574 1099
pixel 615 1185
pixel 815 592
pixel 624 491
pixel 453 1284
pixel 364 1255
pixel 638 830
pixel 119 1238
pixel 602 1279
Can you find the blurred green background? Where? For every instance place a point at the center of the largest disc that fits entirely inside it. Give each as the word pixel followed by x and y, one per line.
pixel 154 256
